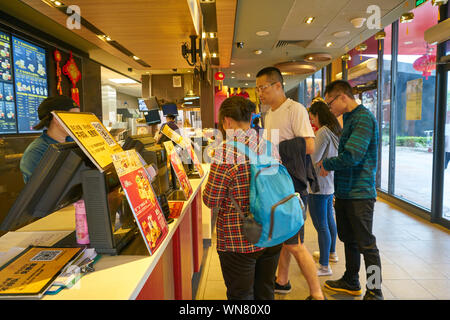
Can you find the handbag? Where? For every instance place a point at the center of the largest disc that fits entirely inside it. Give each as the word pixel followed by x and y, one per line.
pixel 251 229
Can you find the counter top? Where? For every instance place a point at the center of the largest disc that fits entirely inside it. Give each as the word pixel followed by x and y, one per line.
pixel 115 277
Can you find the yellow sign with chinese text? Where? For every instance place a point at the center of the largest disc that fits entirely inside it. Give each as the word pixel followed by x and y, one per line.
pixel 90 134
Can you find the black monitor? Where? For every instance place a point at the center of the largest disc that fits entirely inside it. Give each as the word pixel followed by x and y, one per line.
pixel 55 183
pixel 170 109
pixel 138 142
pixel 125 113
pixel 152 116
pixel 63 176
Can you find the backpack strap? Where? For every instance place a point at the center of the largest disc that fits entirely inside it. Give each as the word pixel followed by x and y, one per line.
pixel 236 205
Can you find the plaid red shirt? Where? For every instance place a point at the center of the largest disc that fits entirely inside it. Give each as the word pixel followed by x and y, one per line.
pixel 227 174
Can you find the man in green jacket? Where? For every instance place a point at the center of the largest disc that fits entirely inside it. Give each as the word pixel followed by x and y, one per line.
pixel 354 179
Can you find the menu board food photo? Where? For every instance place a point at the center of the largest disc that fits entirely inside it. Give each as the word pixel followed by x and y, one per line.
pixel 7 107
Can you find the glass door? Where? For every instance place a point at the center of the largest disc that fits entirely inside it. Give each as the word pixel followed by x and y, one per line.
pixel 446 206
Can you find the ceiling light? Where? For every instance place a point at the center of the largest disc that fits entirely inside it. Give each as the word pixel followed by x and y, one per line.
pixel 232 63
pixel 262 33
pixel 358 22
pixel 212 35
pixel 310 58
pixel 203 35
pixel 257 51
pixel 341 34
pixel 57 3
pixel 248 75
pixel 246 84
pixel 233 77
pixel 318 57
pixel 329 44
pixel 214 55
pixel 232 71
pixel 309 20
pixel 122 80
pixel 135 58
pixel 107 38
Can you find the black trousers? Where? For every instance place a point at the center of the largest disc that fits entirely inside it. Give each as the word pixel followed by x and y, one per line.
pixel 354 220
pixel 250 276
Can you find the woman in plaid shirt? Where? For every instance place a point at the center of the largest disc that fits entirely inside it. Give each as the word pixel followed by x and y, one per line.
pixel 248 271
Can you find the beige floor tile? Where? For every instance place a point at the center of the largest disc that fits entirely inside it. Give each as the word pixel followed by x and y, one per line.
pixel 215 290
pixel 438 288
pixel 394 272
pixel 407 290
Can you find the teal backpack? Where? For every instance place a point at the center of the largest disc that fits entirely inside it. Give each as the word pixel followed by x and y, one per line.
pixel 276 210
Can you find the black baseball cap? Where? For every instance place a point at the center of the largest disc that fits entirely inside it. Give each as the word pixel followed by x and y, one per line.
pixel 57 103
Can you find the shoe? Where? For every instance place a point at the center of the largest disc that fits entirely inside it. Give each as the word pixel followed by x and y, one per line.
pixel 283 289
pixel 333 256
pixel 324 271
pixel 343 286
pixel 372 295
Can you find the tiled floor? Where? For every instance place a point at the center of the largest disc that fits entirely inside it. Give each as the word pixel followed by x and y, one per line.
pixel 415 256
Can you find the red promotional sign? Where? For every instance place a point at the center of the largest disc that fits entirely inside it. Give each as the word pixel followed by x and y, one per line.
pixel 141 198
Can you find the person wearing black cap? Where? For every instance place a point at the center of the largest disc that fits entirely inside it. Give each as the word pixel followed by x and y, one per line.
pixel 54 133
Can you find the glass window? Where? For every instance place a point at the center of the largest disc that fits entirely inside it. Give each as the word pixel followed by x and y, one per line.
pixel 386 109
pixel 318 83
pixel 309 92
pixel 446 207
pixel 415 99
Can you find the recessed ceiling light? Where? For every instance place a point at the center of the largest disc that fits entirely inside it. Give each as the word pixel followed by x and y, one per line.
pixel 135 58
pixel 233 77
pixel 341 34
pixel 203 35
pixel 57 3
pixel 309 20
pixel 212 35
pixel 257 51
pixel 214 55
pixel 232 71
pixel 248 75
pixel 232 63
pixel 329 44
pixel 246 84
pixel 262 33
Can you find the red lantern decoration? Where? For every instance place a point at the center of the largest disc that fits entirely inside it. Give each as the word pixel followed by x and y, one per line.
pixel 58 58
pixel 71 70
pixel 426 64
pixel 219 76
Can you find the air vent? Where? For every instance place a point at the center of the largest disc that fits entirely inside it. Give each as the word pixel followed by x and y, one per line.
pixel 298 43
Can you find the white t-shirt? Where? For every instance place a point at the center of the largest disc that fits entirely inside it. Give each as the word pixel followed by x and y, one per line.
pixel 290 119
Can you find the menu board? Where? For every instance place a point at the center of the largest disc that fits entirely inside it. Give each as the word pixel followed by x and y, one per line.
pixel 7 107
pixel 141 198
pixel 30 79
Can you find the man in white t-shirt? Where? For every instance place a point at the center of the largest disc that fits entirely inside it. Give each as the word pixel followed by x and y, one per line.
pixel 285 120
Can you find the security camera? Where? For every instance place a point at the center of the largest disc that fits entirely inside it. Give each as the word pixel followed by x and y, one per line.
pixel 239 44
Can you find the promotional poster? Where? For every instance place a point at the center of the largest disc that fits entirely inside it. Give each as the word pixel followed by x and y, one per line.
pixel 177 165
pixel 141 198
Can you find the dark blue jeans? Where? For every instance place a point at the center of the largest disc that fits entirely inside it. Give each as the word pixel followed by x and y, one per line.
pixel 321 210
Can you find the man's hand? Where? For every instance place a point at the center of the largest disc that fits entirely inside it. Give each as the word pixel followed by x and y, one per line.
pixel 323 172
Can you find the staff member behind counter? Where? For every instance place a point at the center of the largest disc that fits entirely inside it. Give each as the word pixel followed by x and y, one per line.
pixel 54 133
pixel 161 137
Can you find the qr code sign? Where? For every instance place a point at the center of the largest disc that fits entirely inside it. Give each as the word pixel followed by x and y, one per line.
pixel 102 132
pixel 46 255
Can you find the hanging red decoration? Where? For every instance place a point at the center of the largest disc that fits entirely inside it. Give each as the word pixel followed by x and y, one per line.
pixel 426 64
pixel 71 70
pixel 58 58
pixel 219 76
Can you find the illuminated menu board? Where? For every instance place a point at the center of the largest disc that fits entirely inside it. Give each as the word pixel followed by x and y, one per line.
pixel 30 79
pixel 7 106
